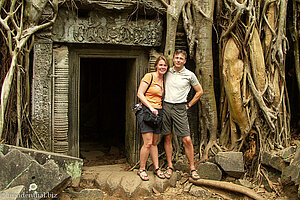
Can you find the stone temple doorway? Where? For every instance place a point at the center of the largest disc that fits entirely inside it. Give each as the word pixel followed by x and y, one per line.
pixel 102 110
pixel 102 89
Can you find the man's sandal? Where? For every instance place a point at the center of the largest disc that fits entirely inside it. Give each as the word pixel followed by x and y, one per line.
pixel 159 173
pixel 194 174
pixel 167 173
pixel 143 175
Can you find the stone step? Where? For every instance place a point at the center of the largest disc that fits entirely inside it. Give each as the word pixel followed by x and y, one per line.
pixel 116 181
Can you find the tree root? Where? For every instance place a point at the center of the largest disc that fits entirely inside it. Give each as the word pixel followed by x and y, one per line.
pixel 227 186
pixel 209 146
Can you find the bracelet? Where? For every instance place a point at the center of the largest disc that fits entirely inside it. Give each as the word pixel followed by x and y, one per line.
pixel 188 105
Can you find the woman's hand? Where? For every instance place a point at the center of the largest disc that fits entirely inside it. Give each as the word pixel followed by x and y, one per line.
pixel 154 111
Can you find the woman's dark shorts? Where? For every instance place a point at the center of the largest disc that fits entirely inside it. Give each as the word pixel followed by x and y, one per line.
pixel 146 127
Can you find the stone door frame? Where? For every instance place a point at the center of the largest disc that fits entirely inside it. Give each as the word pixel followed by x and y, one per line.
pixel 139 66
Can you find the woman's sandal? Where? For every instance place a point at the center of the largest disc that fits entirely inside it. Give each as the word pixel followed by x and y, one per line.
pixel 169 174
pixel 143 175
pixel 159 173
pixel 195 176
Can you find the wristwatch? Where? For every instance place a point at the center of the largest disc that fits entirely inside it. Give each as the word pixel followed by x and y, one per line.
pixel 188 105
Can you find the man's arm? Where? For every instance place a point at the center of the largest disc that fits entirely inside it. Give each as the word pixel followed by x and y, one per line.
pixel 199 92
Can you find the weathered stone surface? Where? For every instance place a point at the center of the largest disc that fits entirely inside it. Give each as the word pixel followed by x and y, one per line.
pixel 200 192
pixel 87 180
pixel 291 174
pixel 60 118
pixel 146 187
pixel 231 162
pixel 174 178
pixel 41 92
pixel 287 154
pixel 209 171
pixel 71 165
pixel 90 194
pixel 273 161
pixel 125 184
pixel 182 164
pixel 17 168
pixel 297 154
pixel 106 28
pixel 161 184
pixel 113 182
pixel 101 179
pixel 129 183
pixel 12 193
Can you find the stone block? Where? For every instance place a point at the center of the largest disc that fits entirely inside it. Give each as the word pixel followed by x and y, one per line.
pixel 72 165
pixel 174 178
pixel 182 164
pixel 291 174
pixel 287 152
pixel 273 160
pixel 231 162
pixel 40 181
pixel 209 171
pixel 113 182
pixel 129 183
pixel 101 179
pixel 161 184
pixel 145 188
pixel 200 192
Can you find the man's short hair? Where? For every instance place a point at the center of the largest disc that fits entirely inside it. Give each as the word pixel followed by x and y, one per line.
pixel 178 51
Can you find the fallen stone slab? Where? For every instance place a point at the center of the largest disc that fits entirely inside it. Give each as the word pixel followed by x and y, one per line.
pixel 291 174
pixel 273 160
pixel 200 192
pixel 231 162
pixel 209 171
pixel 12 193
pixel 40 181
pixel 71 165
pixel 287 154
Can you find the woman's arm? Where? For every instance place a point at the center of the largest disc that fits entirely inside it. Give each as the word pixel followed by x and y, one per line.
pixel 141 95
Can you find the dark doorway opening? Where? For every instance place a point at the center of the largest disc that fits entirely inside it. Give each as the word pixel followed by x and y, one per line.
pixel 102 110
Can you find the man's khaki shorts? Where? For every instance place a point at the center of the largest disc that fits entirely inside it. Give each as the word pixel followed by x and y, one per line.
pixel 175 115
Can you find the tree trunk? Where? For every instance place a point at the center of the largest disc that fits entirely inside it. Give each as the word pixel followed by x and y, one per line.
pixel 173 13
pixel 203 17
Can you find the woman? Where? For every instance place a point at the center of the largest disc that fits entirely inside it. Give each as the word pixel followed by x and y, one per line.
pixel 151 98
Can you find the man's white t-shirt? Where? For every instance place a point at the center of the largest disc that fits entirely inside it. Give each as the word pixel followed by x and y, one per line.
pixel 178 85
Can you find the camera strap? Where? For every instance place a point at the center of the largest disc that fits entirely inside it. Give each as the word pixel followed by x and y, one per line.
pixel 149 83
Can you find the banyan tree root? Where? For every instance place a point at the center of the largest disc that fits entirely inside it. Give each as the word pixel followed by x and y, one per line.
pixel 227 186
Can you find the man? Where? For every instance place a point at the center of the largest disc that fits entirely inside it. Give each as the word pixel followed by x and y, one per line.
pixel 178 83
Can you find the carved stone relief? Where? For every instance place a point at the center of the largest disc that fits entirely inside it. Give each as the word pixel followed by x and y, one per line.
pixel 105 28
pixel 41 94
pixel 60 102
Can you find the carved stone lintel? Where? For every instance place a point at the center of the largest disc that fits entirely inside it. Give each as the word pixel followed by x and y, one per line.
pixel 106 29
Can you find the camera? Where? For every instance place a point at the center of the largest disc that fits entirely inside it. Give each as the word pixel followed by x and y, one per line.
pixel 136 108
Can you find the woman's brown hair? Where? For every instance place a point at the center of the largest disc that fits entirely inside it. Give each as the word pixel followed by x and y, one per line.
pixel 162 58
